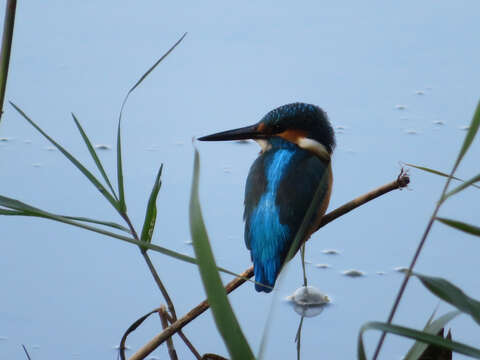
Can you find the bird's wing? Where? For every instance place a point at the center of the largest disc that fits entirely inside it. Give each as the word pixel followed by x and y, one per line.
pixel 298 187
pixel 255 187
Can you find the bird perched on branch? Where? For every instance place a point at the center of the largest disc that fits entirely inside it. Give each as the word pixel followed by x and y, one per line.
pixel 296 143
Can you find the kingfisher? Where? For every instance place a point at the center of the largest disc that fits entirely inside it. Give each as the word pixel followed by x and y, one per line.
pixel 297 141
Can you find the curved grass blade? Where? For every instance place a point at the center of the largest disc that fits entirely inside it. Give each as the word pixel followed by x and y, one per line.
pixel 121 190
pixel 8 25
pixel 224 317
pixel 70 157
pixel 472 132
pixel 436 172
pixel 94 155
pixel 24 209
pixel 463 186
pixel 416 335
pixel 470 229
pixel 151 214
pixel 451 294
pixel 432 327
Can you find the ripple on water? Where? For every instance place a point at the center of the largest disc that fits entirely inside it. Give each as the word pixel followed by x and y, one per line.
pixel 103 147
pixel 331 252
pixel 322 266
pixel 400 107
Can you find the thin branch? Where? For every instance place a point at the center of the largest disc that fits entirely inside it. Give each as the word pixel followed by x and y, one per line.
pixel 152 269
pixel 163 318
pixel 185 339
pixel 401 182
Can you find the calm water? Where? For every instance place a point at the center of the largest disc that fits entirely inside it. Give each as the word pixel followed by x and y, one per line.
pixel 71 294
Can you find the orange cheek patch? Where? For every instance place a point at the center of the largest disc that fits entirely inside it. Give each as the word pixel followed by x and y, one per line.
pixel 261 127
pixel 292 135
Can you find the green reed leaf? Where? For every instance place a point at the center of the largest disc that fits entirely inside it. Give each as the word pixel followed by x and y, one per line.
pixel 72 159
pixel 224 317
pixel 459 225
pixel 151 213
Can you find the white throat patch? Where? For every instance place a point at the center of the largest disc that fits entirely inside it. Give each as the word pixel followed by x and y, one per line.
pixel 314 146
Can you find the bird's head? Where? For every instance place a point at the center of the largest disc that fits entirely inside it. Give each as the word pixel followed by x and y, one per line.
pixel 305 125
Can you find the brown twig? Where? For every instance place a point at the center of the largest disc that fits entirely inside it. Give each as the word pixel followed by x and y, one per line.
pixel 401 182
pixel 185 339
pixel 163 318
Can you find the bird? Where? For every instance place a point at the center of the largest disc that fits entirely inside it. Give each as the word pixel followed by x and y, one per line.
pixel 297 141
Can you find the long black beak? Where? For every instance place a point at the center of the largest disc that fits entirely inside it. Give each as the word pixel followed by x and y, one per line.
pixel 248 132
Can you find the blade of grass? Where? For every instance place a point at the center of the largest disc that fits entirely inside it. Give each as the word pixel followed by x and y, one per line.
pixel 8 25
pixel 416 335
pixel 94 155
pixel 121 190
pixel 472 132
pixel 451 294
pixel 27 210
pixel 151 213
pixel 432 327
pixel 70 157
pixel 436 172
pixel 475 123
pixel 470 229
pixel 463 186
pixel 224 317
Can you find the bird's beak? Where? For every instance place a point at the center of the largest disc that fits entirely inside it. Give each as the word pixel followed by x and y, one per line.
pixel 248 132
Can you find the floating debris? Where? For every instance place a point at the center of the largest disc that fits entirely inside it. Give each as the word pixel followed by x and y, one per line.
pixel 37 165
pixel 242 142
pixel 154 358
pixel 49 148
pixel 103 147
pixel 331 252
pixel 381 273
pixel 307 262
pixel 411 132
pixel 308 296
pixel 400 107
pixel 322 266
pixel 401 269
pixel 464 127
pixel 353 273
pixel 308 301
pixel 439 122
pixel 5 139
pixel 188 242
pixel 419 92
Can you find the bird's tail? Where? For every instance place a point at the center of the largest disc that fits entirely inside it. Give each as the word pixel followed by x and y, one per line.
pixel 266 274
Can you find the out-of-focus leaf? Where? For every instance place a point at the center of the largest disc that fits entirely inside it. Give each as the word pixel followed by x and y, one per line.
pixel 436 172
pixel 8 25
pixel 438 353
pixel 463 186
pixel 451 294
pixel 416 335
pixel 70 157
pixel 94 155
pixel 459 225
pixel 151 213
pixel 24 209
pixel 225 319
pixel 432 327
pixel 121 189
